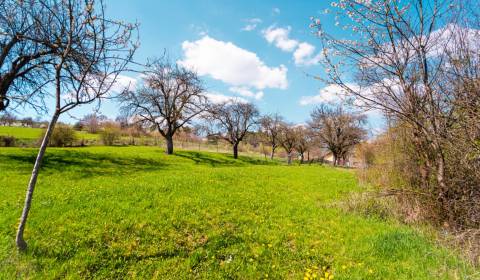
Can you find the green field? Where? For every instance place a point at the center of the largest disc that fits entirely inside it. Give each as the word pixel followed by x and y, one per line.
pixel 133 212
pixel 28 133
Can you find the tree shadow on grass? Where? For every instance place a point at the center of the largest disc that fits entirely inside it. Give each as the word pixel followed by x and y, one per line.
pixel 84 164
pixel 221 159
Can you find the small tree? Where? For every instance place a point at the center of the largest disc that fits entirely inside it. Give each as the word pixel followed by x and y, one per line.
pixel 288 140
pixel 28 121
pixel 93 122
pixel 88 52
pixel 7 119
pixel 233 120
pixel 304 141
pixel 270 126
pixel 170 97
pixel 339 131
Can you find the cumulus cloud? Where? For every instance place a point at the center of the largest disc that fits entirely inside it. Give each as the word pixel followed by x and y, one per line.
pixel 217 98
pixel 252 24
pixel 122 83
pixel 303 52
pixel 231 64
pixel 330 94
pixel 247 92
pixel 276 10
pixel 280 37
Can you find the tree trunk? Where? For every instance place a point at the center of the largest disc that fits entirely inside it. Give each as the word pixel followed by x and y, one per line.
pixel 169 139
pixel 289 158
pixel 235 150
pixel 443 193
pixel 335 160
pixel 21 244
pixel 273 152
pixel 302 158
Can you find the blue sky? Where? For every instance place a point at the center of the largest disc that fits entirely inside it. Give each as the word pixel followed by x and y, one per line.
pixel 260 51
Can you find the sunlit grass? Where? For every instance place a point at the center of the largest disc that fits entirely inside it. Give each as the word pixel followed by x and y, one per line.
pixel 134 212
pixel 28 133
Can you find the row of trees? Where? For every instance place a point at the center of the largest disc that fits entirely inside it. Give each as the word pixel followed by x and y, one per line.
pixel 9 119
pixel 171 97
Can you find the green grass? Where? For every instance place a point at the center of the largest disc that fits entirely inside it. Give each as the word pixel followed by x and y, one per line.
pixel 28 133
pixel 133 212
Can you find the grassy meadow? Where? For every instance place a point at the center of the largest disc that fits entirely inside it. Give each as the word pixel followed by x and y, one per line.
pixel 28 133
pixel 134 212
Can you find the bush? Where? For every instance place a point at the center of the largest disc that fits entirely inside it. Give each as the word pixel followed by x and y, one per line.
pixel 7 141
pixel 109 134
pixel 62 136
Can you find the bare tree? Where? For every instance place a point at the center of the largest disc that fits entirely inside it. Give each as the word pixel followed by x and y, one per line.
pixel 89 51
pixel 92 122
pixel 304 140
pixel 7 118
pixel 413 60
pixel 270 126
pixel 171 96
pixel 24 26
pixel 288 140
pixel 339 131
pixel 233 120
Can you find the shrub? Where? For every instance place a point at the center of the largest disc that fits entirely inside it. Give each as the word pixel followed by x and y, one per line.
pixel 7 141
pixel 63 135
pixel 109 134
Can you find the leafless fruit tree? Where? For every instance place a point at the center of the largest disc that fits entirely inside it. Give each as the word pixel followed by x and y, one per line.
pixel 87 53
pixel 337 130
pixel 288 140
pixel 170 97
pixel 270 125
pixel 232 121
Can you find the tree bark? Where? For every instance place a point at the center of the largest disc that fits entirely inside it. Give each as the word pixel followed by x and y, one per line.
pixel 273 152
pixel 235 150
pixel 169 139
pixel 302 158
pixel 21 244
pixel 289 158
pixel 335 160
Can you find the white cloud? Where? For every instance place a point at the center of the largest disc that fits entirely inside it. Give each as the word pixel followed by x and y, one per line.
pixel 280 37
pixel 303 52
pixel 303 55
pixel 217 98
pixel 252 24
pixel 247 92
pixel 276 10
pixel 330 94
pixel 122 83
pixel 235 66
